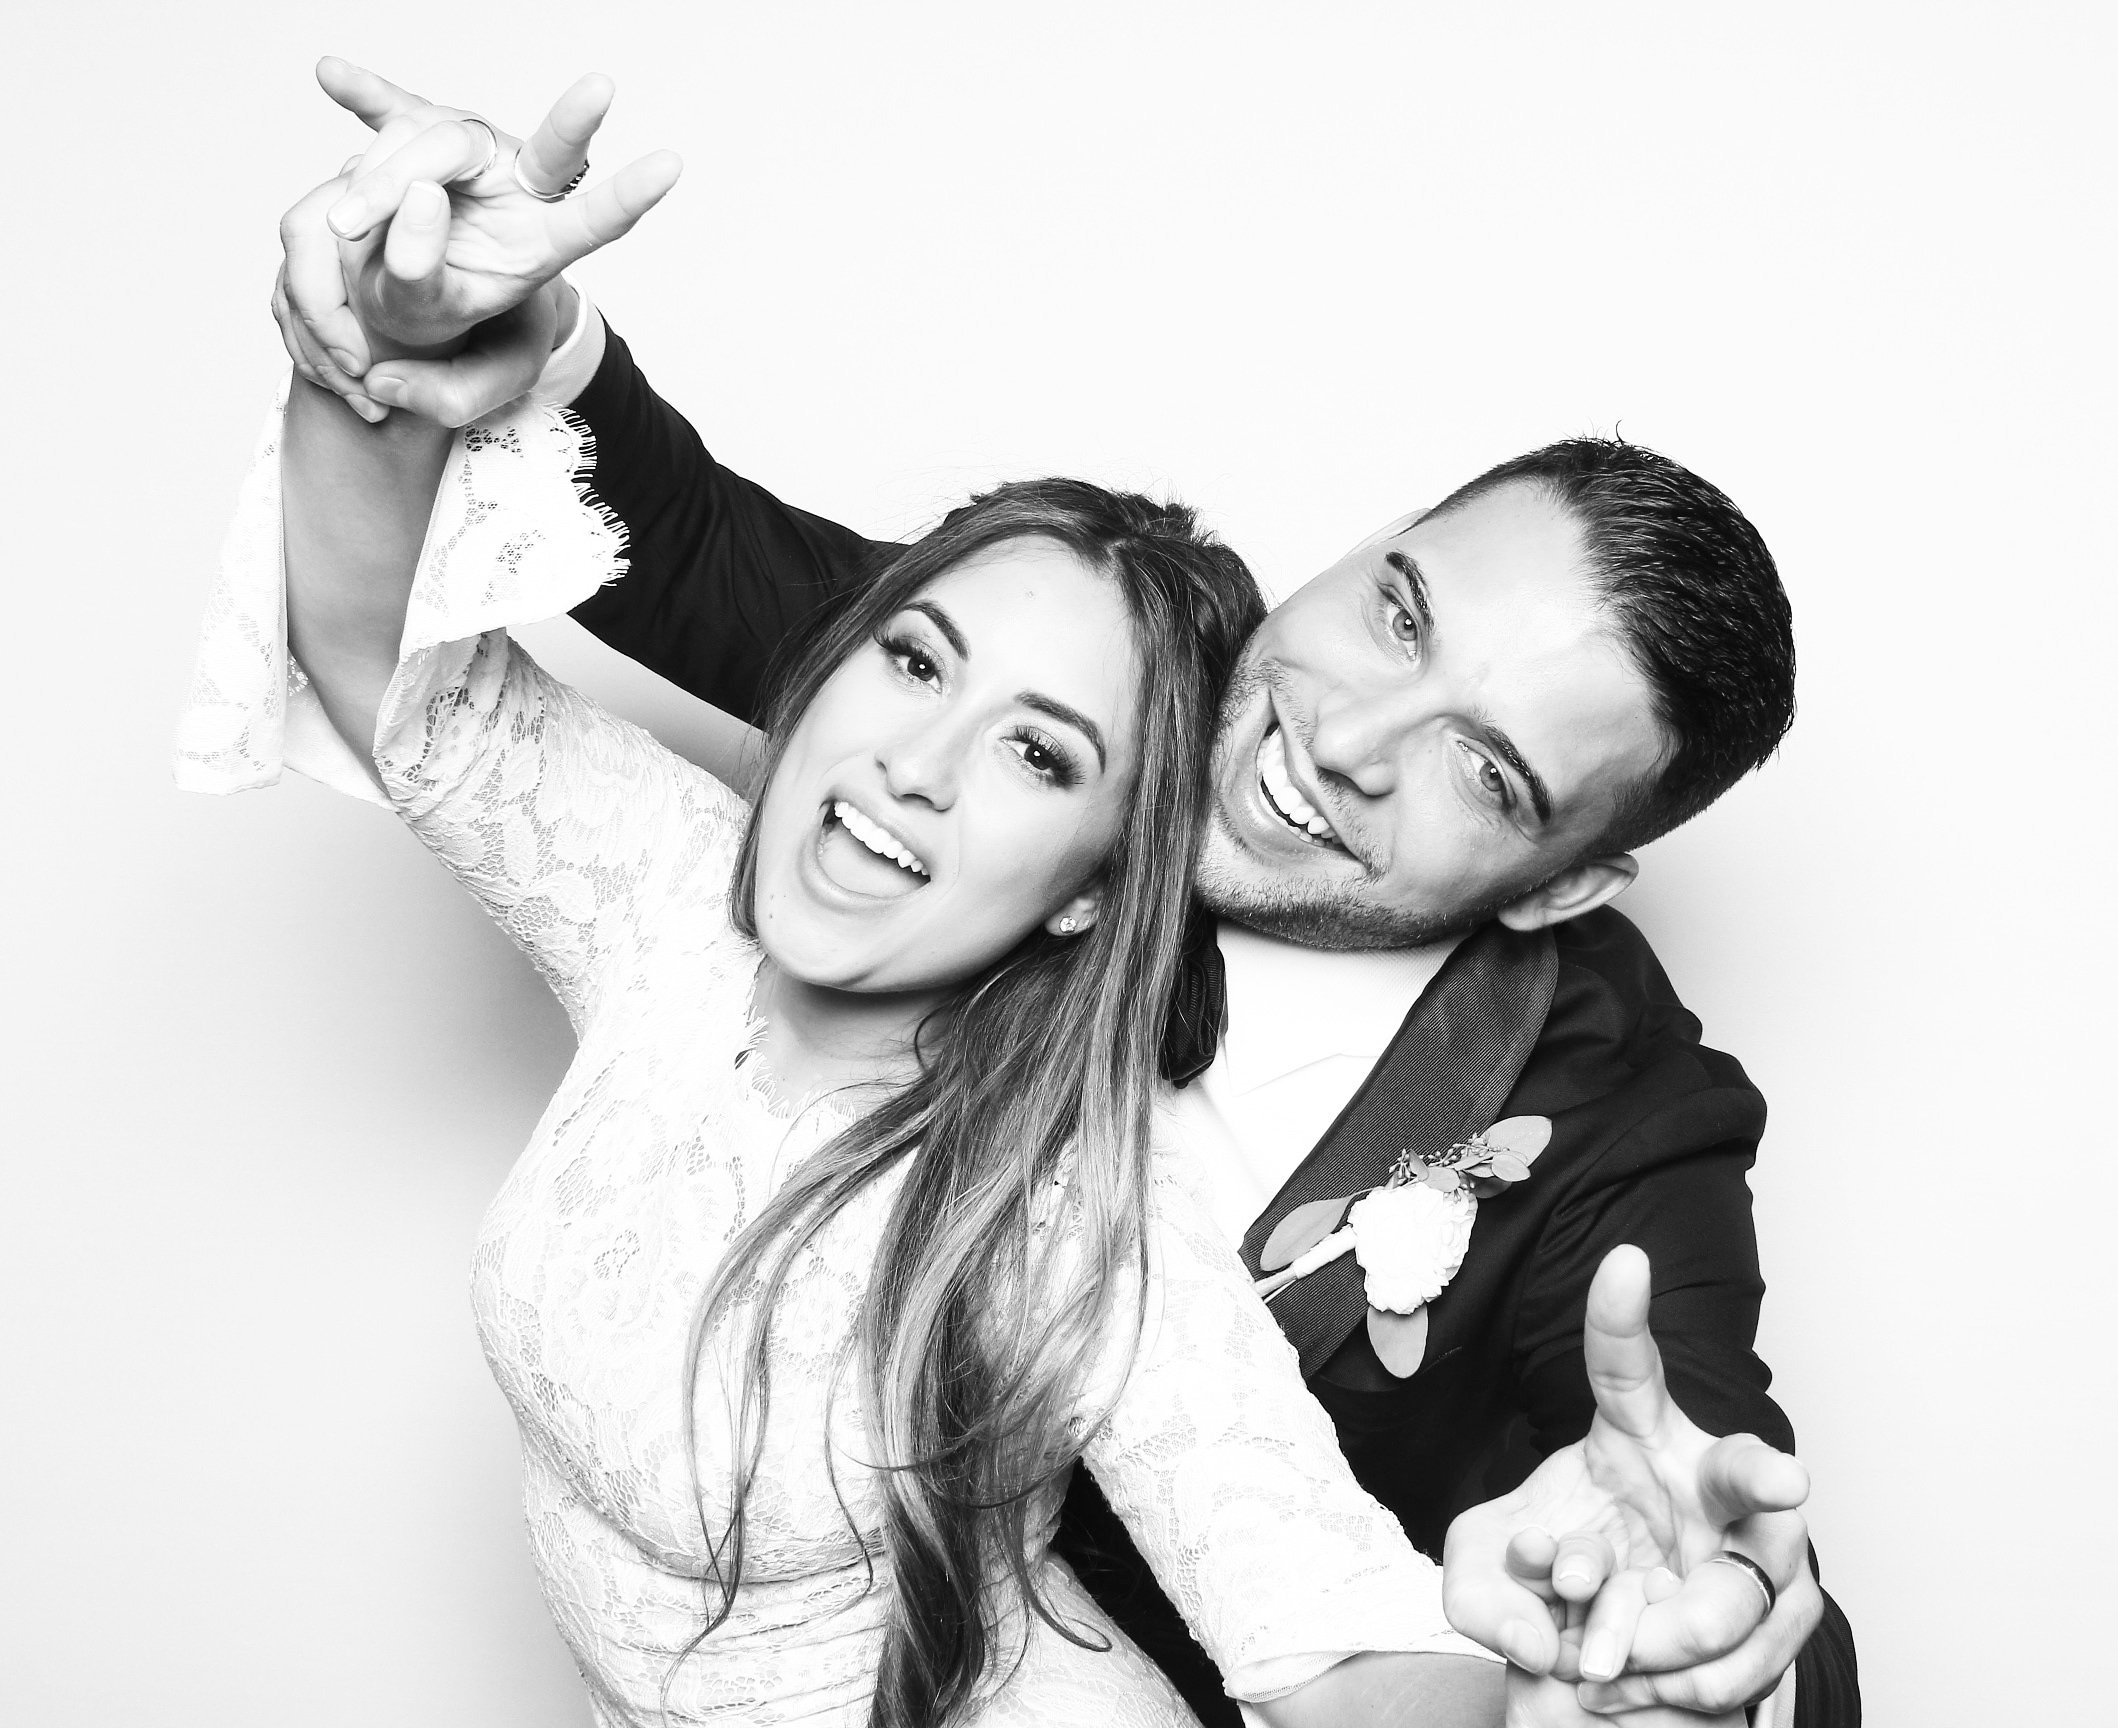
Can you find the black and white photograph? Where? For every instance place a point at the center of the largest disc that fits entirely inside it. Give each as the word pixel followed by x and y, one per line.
pixel 1155 865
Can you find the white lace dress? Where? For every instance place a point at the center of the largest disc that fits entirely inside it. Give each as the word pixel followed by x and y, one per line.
pixel 607 859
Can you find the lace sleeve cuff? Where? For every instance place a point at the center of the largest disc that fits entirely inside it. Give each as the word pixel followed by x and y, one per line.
pixel 515 536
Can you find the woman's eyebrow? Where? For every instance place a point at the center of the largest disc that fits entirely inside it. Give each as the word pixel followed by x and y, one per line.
pixel 944 623
pixel 1073 717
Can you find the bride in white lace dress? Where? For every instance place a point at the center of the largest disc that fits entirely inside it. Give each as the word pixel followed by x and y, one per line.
pixel 846 1234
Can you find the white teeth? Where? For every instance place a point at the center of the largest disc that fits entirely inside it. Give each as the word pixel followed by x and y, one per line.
pixel 876 838
pixel 1280 789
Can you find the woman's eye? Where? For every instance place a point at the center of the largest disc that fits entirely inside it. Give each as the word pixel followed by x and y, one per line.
pixel 1042 758
pixel 912 660
pixel 1404 625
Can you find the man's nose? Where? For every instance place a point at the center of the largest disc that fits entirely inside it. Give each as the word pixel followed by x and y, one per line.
pixel 1360 735
pixel 924 761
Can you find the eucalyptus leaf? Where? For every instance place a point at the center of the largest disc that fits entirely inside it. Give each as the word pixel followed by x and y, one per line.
pixel 1510 1168
pixel 1520 1137
pixel 1400 1340
pixel 1301 1230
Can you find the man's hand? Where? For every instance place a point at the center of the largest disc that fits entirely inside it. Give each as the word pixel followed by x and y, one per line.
pixel 478 245
pixel 1644 1502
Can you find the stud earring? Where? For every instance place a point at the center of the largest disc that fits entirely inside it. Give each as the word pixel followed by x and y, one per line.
pixel 1067 926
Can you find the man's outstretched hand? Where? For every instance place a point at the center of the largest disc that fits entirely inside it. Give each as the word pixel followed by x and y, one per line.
pixel 422 240
pixel 1624 1610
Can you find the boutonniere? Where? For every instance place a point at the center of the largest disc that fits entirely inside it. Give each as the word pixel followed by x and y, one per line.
pixel 1409 1234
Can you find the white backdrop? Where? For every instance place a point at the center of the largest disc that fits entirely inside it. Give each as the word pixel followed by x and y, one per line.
pixel 1309 266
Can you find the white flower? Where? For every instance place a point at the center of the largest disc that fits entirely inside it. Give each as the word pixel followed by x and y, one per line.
pixel 1410 1241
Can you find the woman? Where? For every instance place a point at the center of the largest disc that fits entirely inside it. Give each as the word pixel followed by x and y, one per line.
pixel 844 1236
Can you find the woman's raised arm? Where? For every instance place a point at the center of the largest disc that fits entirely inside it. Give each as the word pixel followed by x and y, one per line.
pixel 357 498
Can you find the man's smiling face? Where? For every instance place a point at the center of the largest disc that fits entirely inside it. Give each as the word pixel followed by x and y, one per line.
pixel 1435 726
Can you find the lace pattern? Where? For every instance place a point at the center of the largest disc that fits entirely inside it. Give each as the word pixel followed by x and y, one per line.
pixel 607 859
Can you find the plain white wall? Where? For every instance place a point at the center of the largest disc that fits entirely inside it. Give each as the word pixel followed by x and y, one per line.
pixel 1310 266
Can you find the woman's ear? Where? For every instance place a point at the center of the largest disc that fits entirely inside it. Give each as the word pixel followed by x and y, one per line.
pixel 1079 914
pixel 1580 888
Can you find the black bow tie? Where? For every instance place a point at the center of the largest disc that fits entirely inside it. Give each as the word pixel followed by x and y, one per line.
pixel 1198 1008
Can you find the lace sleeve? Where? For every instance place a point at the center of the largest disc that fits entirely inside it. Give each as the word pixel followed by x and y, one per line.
pixel 563 820
pixel 1229 1477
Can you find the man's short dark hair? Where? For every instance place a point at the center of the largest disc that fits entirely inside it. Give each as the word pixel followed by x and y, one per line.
pixel 1698 603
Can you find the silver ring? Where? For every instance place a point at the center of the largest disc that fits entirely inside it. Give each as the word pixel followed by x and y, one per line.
pixel 514 167
pixel 492 146
pixel 1758 1575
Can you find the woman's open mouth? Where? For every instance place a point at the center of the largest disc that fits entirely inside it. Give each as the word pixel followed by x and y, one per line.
pixel 857 853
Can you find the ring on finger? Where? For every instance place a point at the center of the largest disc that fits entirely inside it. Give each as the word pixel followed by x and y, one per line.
pixel 1758 1575
pixel 542 197
pixel 492 147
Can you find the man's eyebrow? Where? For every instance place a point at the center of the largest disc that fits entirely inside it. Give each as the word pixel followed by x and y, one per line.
pixel 1539 795
pixel 1069 717
pixel 942 622
pixel 1415 579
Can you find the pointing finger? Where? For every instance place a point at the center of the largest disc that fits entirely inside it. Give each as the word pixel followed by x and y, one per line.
pixel 367 94
pixel 558 149
pixel 1624 1367
pixel 605 211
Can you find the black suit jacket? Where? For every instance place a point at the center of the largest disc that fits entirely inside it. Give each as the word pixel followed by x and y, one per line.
pixel 1653 1132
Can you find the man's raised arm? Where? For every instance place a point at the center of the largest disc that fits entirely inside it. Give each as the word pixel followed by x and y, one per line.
pixel 720 572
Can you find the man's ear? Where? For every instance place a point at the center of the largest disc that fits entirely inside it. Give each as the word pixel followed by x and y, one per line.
pixel 1078 915
pixel 1581 888
pixel 1391 530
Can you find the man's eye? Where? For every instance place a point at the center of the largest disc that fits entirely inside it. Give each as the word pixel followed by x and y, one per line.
pixel 1486 776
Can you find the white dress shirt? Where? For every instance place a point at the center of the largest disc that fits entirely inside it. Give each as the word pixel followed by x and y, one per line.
pixel 1305 1025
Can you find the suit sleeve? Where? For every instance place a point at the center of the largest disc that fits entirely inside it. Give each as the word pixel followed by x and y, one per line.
pixel 1676 1186
pixel 721 573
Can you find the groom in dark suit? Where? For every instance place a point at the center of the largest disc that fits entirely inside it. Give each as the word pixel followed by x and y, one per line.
pixel 1481 711
pixel 1430 773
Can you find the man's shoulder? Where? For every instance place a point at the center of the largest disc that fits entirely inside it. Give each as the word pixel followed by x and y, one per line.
pixel 1615 1016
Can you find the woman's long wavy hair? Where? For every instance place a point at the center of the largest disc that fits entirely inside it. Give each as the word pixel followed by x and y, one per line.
pixel 977 1342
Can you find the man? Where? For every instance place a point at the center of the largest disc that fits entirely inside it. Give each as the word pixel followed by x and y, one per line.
pixel 1429 775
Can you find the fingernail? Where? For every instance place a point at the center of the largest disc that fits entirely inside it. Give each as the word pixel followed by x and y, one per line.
pixel 345 362
pixel 1519 1643
pixel 373 413
pixel 1662 1584
pixel 390 390
pixel 348 219
pixel 1573 1572
pixel 1599 1656
pixel 424 201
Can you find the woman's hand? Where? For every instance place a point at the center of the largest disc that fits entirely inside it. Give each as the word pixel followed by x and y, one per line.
pixel 488 246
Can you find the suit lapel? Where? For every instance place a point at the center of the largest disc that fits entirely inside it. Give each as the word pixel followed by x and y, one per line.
pixel 1444 1078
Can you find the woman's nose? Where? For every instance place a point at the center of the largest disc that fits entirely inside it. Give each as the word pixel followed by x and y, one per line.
pixel 923 762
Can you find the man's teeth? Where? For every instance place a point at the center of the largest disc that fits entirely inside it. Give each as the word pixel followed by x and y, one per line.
pixel 875 838
pixel 1279 788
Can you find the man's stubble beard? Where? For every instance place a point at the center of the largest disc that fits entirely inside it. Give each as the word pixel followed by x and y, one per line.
pixel 1235 885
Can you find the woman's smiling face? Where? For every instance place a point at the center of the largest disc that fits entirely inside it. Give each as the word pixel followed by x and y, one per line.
pixel 958 782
